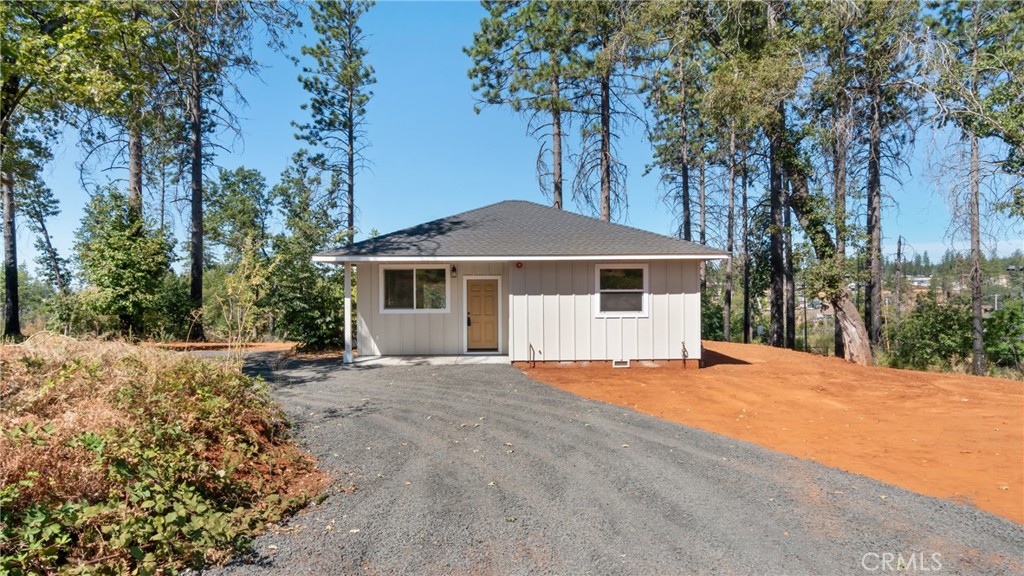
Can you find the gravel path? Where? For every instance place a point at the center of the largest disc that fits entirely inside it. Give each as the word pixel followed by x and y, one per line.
pixel 480 470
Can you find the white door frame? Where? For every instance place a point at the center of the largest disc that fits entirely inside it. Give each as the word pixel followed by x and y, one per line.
pixel 465 310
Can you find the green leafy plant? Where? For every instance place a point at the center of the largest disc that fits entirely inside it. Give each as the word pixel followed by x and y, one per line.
pixel 1004 336
pixel 933 335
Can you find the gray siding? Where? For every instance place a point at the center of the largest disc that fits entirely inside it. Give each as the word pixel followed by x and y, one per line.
pixel 551 308
pixel 396 334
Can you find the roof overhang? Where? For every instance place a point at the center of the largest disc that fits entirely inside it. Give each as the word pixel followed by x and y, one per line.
pixel 341 259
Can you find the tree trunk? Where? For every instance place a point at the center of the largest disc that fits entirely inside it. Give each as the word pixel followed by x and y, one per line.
pixel 135 174
pixel 729 238
pixel 747 333
pixel 684 169
pixel 12 313
pixel 701 190
pixel 776 327
pixel 556 142
pixel 776 135
pixel 899 276
pixel 790 284
pixel 606 149
pixel 873 289
pixel 51 254
pixel 977 326
pixel 350 175
pixel 839 159
pixel 196 240
pixel 857 348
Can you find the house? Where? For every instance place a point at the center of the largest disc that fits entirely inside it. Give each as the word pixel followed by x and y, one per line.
pixel 527 282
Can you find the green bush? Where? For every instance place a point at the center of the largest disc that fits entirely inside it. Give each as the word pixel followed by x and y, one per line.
pixel 712 319
pixel 1004 336
pixel 932 336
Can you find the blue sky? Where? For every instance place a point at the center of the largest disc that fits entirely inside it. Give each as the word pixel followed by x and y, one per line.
pixel 431 155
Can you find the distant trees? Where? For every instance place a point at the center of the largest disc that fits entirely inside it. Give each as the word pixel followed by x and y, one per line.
pixel 780 131
pixel 774 112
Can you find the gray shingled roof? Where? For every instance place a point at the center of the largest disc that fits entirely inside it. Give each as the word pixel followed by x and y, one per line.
pixel 517 229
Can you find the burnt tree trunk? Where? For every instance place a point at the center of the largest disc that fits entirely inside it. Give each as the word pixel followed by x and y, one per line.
pixel 729 234
pixel 776 328
pixel 873 289
pixel 12 313
pixel 196 239
pixel 684 169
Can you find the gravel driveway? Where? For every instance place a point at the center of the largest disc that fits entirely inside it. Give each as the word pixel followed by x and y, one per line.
pixel 480 470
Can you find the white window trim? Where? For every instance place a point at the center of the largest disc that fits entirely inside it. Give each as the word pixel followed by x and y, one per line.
pixel 644 297
pixel 447 289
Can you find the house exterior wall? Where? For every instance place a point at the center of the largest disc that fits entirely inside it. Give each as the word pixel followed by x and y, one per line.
pixel 549 305
pixel 552 307
pixel 419 333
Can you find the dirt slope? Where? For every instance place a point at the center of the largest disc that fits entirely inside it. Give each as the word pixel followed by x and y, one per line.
pixel 950 436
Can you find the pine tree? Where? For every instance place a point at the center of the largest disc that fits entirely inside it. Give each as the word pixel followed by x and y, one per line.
pixel 522 56
pixel 339 88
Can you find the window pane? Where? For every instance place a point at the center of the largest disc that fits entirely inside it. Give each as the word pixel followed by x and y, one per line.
pixel 622 302
pixel 430 289
pixel 622 279
pixel 398 289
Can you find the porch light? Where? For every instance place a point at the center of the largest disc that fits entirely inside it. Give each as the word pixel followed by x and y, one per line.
pixel 454 270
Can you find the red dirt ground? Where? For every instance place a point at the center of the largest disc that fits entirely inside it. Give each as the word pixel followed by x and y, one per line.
pixel 946 435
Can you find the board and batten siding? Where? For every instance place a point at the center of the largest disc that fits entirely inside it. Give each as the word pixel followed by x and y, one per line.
pixel 411 333
pixel 552 308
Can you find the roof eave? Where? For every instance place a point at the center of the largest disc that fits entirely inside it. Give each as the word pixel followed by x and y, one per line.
pixel 342 258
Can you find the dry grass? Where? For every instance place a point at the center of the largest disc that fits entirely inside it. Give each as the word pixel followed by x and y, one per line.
pixel 55 391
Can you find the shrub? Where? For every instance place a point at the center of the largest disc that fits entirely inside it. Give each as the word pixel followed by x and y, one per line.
pixel 712 319
pixel 932 335
pixel 1004 336
pixel 125 459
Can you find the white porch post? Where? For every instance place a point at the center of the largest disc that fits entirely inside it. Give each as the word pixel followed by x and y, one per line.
pixel 347 359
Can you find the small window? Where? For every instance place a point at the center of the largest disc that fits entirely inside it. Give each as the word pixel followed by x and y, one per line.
pixel 622 290
pixel 414 289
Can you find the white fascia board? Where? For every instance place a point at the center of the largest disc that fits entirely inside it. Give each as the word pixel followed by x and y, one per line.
pixel 609 258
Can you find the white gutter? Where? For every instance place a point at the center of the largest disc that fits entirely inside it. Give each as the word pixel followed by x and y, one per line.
pixel 610 258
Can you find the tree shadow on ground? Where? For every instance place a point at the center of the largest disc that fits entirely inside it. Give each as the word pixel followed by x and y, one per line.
pixel 285 372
